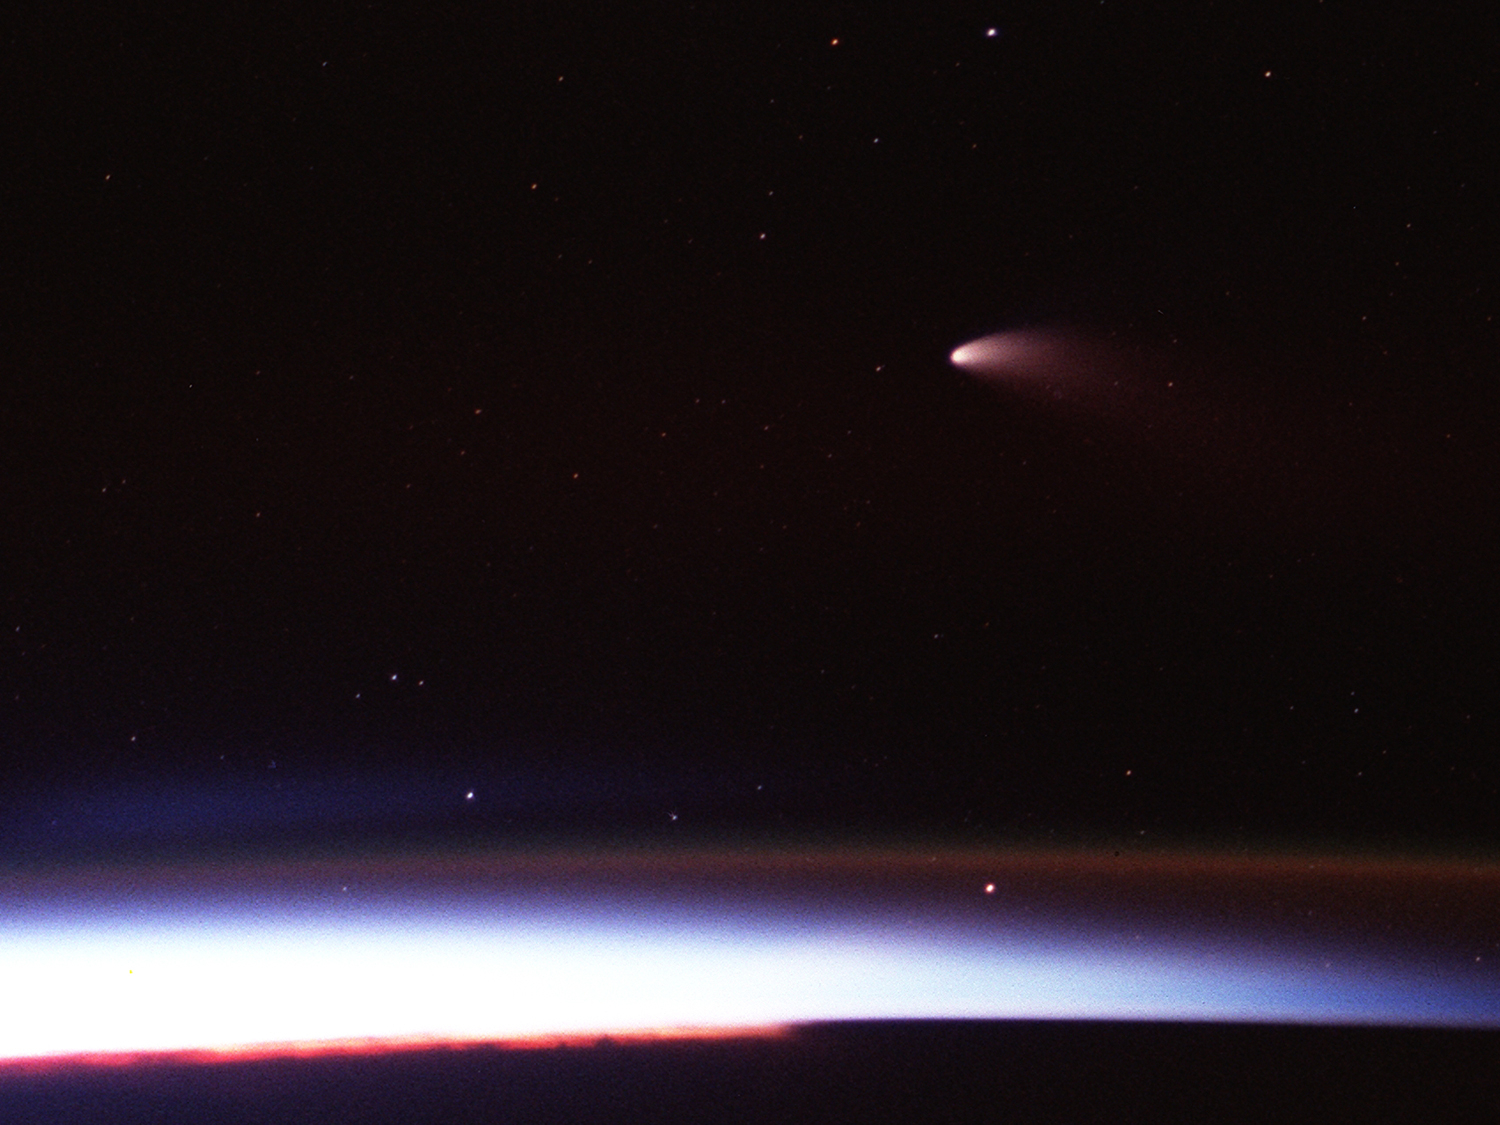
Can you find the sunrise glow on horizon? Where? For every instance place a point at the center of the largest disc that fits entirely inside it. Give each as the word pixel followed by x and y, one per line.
pixel 195 970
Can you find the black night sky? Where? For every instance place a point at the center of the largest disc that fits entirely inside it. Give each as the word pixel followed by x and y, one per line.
pixel 551 402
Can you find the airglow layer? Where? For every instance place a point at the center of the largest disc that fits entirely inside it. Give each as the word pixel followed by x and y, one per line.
pixel 483 952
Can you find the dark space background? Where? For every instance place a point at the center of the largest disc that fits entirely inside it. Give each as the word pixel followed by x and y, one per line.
pixel 550 403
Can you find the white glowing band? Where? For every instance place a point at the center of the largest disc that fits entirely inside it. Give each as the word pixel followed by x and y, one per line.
pixel 216 983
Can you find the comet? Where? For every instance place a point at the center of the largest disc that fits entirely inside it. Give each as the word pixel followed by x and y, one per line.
pixel 1004 353
pixel 1205 418
pixel 1099 377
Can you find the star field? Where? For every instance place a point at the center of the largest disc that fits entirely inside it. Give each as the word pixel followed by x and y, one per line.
pixel 476 395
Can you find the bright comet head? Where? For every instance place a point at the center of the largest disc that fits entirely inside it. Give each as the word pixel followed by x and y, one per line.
pixel 1004 353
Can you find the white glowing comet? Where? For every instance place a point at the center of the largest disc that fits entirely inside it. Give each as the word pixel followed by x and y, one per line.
pixel 1072 372
pixel 1007 353
pixel 1122 394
